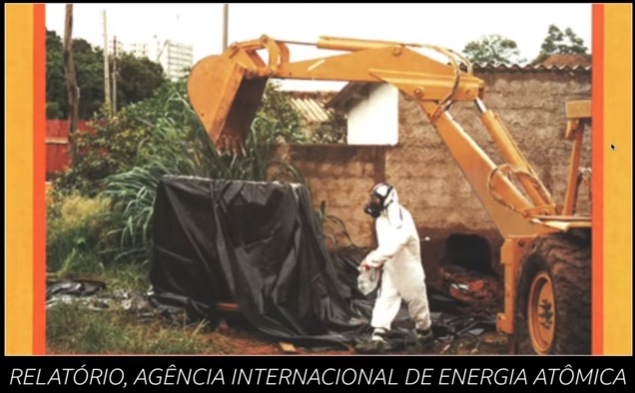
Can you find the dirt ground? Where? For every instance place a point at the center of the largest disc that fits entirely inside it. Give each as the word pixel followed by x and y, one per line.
pixel 234 336
pixel 248 342
pixel 484 298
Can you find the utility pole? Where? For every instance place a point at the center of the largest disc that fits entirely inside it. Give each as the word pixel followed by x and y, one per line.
pixel 225 23
pixel 106 68
pixel 114 75
pixel 71 79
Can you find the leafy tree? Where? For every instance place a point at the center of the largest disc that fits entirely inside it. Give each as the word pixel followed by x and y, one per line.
pixel 56 101
pixel 276 107
pixel 89 65
pixel 565 42
pixel 137 78
pixel 492 49
pixel 90 77
pixel 332 131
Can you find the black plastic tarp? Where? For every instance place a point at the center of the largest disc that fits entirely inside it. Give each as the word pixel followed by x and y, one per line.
pixel 258 245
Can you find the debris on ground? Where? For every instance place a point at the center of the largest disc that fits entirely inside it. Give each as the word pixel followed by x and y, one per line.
pixel 95 296
pixel 288 348
pixel 482 294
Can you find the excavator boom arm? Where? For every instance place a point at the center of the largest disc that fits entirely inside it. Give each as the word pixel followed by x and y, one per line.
pixel 226 91
pixel 239 76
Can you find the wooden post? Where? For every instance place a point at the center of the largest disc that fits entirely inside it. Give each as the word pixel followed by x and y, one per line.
pixel 106 69
pixel 114 75
pixel 71 80
pixel 225 23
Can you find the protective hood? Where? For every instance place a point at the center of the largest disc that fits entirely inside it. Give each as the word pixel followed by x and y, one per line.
pixel 384 202
pixel 392 209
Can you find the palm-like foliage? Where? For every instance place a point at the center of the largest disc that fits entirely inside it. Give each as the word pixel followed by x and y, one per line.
pixel 179 145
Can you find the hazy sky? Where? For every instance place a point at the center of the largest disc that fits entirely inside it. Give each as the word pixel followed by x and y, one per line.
pixel 447 25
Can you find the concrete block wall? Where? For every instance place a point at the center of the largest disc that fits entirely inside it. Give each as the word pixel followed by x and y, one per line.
pixel 340 176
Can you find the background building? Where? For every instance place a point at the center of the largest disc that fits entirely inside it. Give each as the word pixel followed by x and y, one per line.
pixel 178 59
pixel 139 49
pixel 175 57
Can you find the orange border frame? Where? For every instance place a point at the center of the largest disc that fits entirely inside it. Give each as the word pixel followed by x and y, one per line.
pixel 19 109
pixel 616 299
pixel 25 267
pixel 39 179
pixel 597 160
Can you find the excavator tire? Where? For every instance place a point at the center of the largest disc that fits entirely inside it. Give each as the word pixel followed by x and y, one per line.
pixel 553 301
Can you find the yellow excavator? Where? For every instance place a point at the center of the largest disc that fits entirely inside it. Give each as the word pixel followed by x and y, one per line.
pixel 546 252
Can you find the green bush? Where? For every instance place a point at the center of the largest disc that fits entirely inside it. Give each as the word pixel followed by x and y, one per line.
pixel 110 148
pixel 77 236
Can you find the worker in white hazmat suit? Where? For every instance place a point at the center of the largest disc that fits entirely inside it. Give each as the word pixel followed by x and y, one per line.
pixel 398 257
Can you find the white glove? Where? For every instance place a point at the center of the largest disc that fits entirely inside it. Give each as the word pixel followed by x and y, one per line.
pixel 368 279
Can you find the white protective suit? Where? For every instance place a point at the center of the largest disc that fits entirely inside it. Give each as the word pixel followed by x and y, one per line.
pixel 399 254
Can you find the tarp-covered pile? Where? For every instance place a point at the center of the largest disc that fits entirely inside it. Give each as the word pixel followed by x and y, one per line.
pixel 258 245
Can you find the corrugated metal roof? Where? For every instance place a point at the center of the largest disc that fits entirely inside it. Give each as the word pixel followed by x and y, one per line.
pixel 311 105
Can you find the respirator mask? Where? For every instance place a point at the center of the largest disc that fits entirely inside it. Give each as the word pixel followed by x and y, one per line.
pixel 378 197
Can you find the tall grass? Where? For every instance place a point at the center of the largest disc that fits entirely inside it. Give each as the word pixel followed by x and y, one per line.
pixel 75 329
pixel 179 145
pixel 76 232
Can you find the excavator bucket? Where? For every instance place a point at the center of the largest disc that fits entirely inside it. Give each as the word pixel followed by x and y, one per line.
pixel 224 100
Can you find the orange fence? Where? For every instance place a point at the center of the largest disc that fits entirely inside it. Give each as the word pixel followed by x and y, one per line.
pixel 57 156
